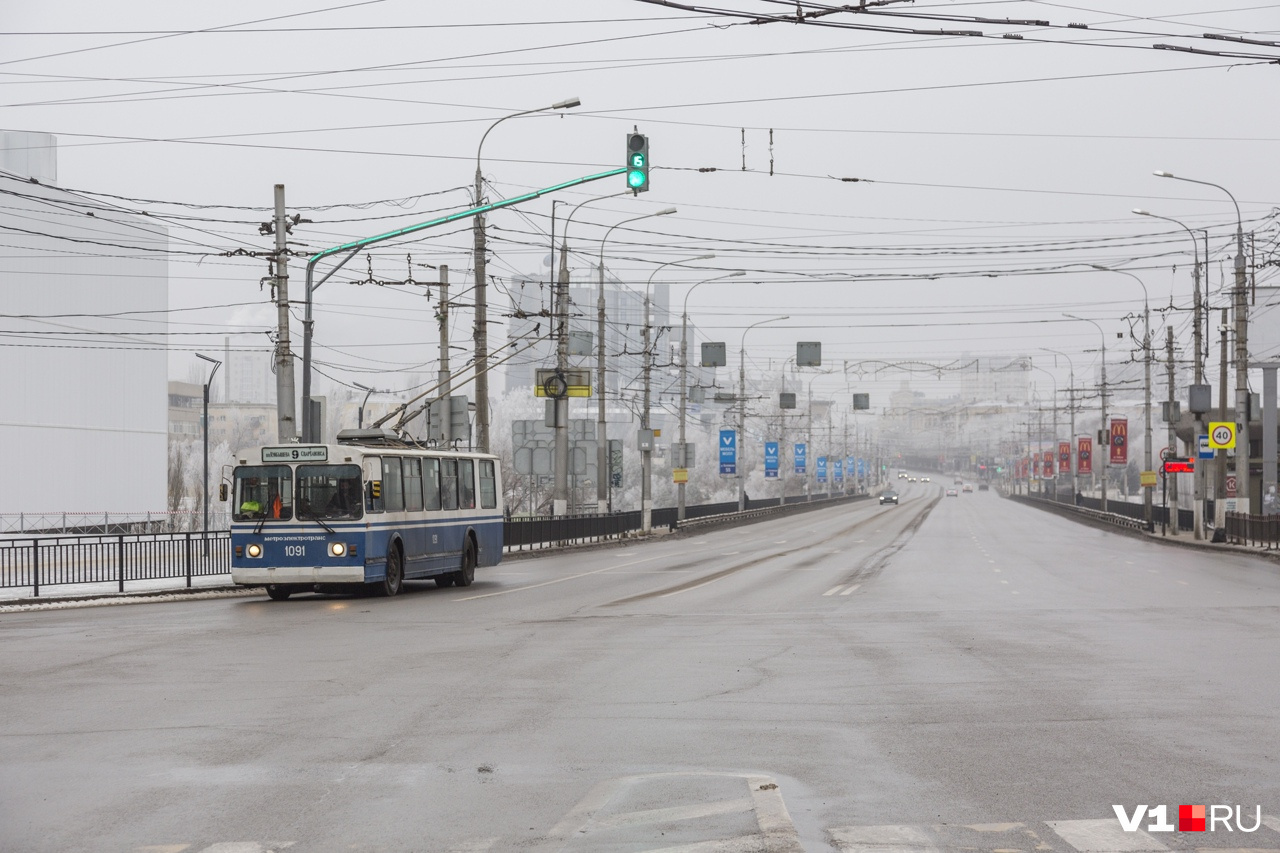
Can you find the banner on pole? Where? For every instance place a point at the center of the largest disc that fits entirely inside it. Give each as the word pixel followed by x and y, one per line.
pixel 1084 455
pixel 1119 441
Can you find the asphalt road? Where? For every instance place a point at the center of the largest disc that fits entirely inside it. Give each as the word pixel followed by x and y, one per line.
pixel 951 673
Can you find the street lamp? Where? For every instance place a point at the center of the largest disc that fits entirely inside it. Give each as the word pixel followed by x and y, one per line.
pixel 1199 477
pixel 205 421
pixel 604 478
pixel 742 412
pixel 1242 344
pixel 684 385
pixel 1104 399
pixel 1146 368
pixel 1071 412
pixel 646 453
pixel 360 412
pixel 560 495
pixel 1054 470
pixel 481 291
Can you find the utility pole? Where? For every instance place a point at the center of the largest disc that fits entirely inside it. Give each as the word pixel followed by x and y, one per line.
pixel 444 378
pixel 560 499
pixel 481 327
pixel 1198 479
pixel 1220 509
pixel 646 454
pixel 286 413
pixel 1243 487
pixel 1173 434
pixel 604 474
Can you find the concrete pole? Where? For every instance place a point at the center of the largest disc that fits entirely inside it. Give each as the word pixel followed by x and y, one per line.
pixel 443 377
pixel 1243 487
pixel 604 476
pixel 286 412
pixel 1173 436
pixel 683 460
pixel 560 498
pixel 1220 508
pixel 481 333
pixel 646 454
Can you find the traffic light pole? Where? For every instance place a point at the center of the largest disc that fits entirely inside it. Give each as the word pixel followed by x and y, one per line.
pixel 308 428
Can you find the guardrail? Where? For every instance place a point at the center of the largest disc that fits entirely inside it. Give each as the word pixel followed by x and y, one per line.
pixel 38 562
pixel 1253 530
pixel 1119 519
pixel 54 560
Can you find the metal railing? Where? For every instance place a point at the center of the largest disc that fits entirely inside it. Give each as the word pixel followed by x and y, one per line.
pixel 1253 530
pixel 86 523
pixel 45 561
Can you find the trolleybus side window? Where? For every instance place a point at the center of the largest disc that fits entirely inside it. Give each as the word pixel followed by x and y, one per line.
pixel 373 497
pixel 448 483
pixel 466 484
pixel 488 485
pixel 392 485
pixel 431 483
pixel 329 491
pixel 413 485
pixel 263 491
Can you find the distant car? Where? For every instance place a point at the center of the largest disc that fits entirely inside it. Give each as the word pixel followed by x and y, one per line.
pixel 968 487
pixel 958 481
pixel 889 496
pixel 902 475
pixel 983 487
pixel 911 479
pixel 924 479
pixel 952 493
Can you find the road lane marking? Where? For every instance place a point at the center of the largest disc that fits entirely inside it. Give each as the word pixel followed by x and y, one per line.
pixel 851 589
pixel 834 590
pixel 1104 836
pixel 561 580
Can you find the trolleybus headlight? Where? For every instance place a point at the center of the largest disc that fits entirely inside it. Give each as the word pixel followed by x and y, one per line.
pixel 337 549
pixel 255 550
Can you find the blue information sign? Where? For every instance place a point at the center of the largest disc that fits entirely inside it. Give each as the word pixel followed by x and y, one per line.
pixel 771 459
pixel 728 451
pixel 837 472
pixel 800 457
pixel 862 468
pixel 822 469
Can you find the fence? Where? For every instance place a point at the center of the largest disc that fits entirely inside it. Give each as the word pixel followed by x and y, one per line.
pixel 1159 514
pixel 42 561
pixel 49 561
pixel 1253 530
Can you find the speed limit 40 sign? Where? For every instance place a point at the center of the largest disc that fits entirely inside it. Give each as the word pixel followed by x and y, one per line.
pixel 1222 435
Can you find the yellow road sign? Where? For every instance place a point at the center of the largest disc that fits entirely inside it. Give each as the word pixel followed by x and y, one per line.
pixel 1149 479
pixel 679 475
pixel 1222 435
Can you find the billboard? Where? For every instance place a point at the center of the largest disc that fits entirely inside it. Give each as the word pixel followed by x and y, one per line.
pixel 1119 441
pixel 1084 455
pixel 1064 457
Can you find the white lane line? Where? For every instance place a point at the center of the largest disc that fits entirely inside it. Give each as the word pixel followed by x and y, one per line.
pixel 834 590
pixel 1104 836
pixel 780 542
pixel 561 580
pixel 1271 822
pixel 851 589
pixel 730 553
pixel 692 588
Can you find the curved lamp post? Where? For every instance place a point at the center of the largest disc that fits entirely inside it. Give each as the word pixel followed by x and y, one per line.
pixel 481 285
pixel 742 412
pixel 684 385
pixel 646 455
pixel 1146 379
pixel 1103 335
pixel 604 480
pixel 1071 414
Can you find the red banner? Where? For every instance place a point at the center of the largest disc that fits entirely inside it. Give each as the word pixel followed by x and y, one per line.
pixel 1084 455
pixel 1064 457
pixel 1119 441
pixel 1047 468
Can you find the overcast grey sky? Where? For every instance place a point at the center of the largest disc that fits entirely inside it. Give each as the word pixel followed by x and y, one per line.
pixel 992 171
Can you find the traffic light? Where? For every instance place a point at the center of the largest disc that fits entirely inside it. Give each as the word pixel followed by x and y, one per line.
pixel 637 162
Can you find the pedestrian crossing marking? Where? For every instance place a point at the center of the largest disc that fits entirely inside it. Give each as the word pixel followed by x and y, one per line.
pixel 1104 836
pixel 838 587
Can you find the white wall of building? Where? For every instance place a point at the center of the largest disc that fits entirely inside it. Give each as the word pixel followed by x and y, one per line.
pixel 83 397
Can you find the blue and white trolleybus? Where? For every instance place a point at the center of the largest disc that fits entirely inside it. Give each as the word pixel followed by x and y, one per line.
pixel 368 512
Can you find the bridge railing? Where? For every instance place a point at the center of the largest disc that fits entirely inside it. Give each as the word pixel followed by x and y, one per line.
pixel 1259 531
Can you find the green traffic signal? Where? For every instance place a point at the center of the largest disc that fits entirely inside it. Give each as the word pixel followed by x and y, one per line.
pixel 637 162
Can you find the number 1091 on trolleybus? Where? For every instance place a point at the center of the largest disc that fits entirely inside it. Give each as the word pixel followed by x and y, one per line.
pixel 366 513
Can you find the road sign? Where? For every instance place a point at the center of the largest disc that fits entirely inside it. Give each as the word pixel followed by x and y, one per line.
pixel 1148 479
pixel 728 451
pixel 1222 435
pixel 1167 453
pixel 679 475
pixel 1205 452
pixel 1178 466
